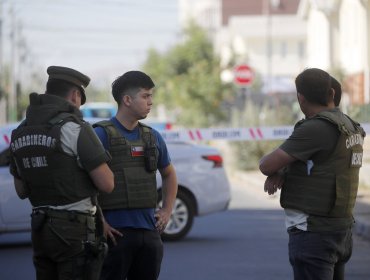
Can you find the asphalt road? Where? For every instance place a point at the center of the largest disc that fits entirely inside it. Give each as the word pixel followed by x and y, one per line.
pixel 249 241
pixel 246 242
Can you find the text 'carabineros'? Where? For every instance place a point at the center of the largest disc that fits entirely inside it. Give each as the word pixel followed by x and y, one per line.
pixel 355 139
pixel 33 140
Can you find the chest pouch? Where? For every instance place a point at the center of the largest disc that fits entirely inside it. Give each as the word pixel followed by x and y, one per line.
pixel 150 157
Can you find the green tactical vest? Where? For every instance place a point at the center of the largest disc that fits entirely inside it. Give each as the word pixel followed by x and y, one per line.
pixel 331 188
pixel 135 187
pixel 52 176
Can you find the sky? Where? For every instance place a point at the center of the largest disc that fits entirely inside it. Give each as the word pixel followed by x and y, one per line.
pixel 101 38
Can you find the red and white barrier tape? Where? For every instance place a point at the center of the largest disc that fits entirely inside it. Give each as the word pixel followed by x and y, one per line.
pixel 229 134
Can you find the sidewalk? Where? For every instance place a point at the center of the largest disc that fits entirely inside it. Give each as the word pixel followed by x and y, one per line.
pixel 361 211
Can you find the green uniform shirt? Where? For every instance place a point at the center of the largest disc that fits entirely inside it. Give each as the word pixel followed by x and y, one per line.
pixel 313 140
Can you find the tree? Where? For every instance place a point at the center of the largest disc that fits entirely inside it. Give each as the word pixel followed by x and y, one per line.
pixel 188 80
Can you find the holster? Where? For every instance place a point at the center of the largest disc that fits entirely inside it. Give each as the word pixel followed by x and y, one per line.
pixel 95 254
pixel 97 250
pixel 38 219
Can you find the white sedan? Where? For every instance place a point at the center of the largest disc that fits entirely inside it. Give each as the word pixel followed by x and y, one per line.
pixel 203 188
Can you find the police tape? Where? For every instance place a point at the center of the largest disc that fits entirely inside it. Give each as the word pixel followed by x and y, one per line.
pixel 233 134
pixel 228 134
pixel 6 139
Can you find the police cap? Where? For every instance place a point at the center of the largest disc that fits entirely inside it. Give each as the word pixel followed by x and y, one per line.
pixel 70 75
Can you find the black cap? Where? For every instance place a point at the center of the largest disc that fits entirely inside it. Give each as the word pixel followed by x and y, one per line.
pixel 70 75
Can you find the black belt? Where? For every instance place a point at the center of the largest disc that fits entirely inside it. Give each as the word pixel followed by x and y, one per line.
pixel 73 216
pixel 294 229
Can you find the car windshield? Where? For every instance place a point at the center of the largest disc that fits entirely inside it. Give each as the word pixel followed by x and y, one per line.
pixel 100 113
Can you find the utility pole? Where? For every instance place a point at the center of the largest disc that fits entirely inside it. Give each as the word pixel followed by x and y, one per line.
pixel 2 87
pixel 268 7
pixel 367 55
pixel 12 100
pixel 266 11
pixel 1 42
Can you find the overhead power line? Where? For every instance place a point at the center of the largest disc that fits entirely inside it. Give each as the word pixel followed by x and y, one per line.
pixel 105 30
pixel 86 4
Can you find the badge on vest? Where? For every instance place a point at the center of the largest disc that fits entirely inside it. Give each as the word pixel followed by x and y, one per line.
pixel 137 151
pixel 356 159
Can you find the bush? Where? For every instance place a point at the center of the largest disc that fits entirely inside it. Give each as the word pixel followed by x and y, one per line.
pixel 248 153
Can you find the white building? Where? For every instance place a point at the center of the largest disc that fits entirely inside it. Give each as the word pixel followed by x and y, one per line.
pixel 207 13
pixel 338 39
pixel 268 35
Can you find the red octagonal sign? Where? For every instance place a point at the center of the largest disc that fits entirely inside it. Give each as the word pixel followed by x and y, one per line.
pixel 243 75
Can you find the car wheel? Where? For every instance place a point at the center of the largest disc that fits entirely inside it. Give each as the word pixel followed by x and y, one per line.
pixel 182 217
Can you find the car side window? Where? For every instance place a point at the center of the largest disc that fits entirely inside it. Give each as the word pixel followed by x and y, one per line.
pixel 5 157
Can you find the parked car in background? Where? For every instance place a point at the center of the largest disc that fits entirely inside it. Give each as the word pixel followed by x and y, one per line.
pixel 102 110
pixel 106 110
pixel 203 188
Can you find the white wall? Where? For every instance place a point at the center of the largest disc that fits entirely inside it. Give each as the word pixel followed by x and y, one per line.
pixel 249 37
pixel 349 42
pixel 207 13
pixel 339 38
pixel 317 40
pixel 353 39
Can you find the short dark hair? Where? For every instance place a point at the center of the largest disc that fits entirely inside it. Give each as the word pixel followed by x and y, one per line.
pixel 58 87
pixel 315 85
pixel 337 89
pixel 130 83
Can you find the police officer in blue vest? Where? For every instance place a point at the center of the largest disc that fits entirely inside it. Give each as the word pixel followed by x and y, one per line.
pixel 317 169
pixel 59 164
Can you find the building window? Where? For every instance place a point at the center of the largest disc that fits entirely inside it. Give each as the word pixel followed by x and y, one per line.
pixel 301 49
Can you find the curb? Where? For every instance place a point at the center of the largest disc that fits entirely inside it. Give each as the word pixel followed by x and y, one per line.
pixel 361 212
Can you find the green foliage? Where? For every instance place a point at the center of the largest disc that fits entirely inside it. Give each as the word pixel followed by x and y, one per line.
pixel 188 80
pixel 35 83
pixel 273 113
pixel 338 73
pixel 2 92
pixel 360 113
pixel 248 153
pixel 98 95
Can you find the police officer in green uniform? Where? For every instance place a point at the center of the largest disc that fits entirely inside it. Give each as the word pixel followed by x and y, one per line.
pixel 59 164
pixel 317 169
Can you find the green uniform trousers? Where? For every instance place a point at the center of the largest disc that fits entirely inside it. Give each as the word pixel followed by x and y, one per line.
pixel 59 245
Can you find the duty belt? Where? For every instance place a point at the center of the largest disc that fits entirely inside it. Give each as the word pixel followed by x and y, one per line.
pixel 43 215
pixel 72 216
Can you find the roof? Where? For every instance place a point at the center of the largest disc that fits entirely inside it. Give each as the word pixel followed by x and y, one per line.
pixel 252 7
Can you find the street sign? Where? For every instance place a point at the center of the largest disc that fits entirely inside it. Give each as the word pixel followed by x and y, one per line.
pixel 243 75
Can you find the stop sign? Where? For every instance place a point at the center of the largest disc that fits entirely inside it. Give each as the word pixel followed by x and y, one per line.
pixel 243 75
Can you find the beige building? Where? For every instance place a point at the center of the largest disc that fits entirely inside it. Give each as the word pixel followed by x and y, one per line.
pixel 338 40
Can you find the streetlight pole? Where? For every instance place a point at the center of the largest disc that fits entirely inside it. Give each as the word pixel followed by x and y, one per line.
pixel 2 100
pixel 267 5
pixel 367 55
pixel 12 101
pixel 1 41
pixel 266 9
